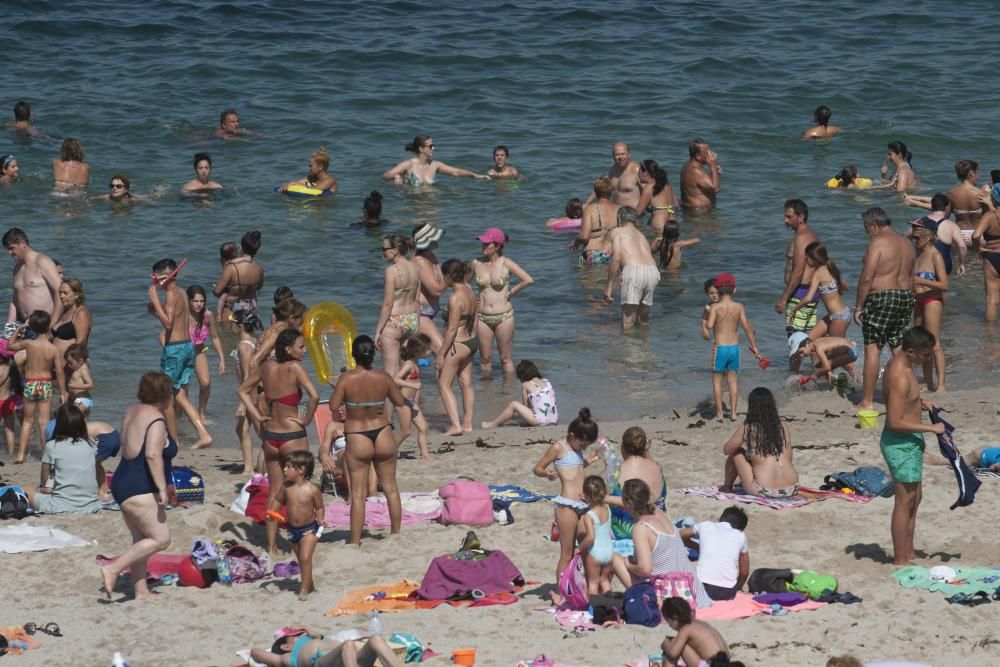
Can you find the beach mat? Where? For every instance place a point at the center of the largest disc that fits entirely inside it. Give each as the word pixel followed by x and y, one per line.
pixel 400 596
pixel 515 494
pixel 20 539
pixel 968 579
pixel 806 496
pixel 417 508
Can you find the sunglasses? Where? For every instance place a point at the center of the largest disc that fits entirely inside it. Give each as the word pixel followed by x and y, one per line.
pixel 115 186
pixel 431 146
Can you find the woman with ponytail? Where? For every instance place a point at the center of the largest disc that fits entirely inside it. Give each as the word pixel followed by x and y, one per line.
pixel 656 195
pixel 422 167
pixel 903 179
pixel 399 315
pixel 828 283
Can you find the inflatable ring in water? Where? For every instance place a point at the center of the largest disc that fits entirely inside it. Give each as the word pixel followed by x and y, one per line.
pixel 299 190
pixel 860 183
pixel 329 330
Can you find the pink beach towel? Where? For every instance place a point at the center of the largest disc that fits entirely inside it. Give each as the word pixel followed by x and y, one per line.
pixel 417 508
pixel 743 606
pixel 158 565
pixel 806 496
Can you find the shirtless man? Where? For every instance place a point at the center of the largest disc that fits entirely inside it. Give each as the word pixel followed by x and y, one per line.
pixel 630 254
pixel 884 307
pixel 229 126
pixel 624 175
pixel 798 275
pixel 178 356
pixel 22 119
pixel 36 280
pixel 698 187
pixel 948 233
pixel 902 441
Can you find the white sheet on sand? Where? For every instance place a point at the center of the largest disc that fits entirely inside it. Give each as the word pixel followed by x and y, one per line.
pixel 19 539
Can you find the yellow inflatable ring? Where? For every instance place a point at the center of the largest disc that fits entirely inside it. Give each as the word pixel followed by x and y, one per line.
pixel 329 330
pixel 299 190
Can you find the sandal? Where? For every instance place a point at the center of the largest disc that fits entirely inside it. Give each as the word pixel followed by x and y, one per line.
pixel 52 629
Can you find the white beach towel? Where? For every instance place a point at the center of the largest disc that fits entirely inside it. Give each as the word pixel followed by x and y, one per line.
pixel 19 539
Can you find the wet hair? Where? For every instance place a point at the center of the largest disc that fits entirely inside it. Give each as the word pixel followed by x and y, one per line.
pixel 709 284
pixel 399 243
pixel 965 167
pixel 13 236
pixel 302 459
pixel 940 202
pixel 844 661
pixel 166 264
pixel 798 207
pixel 281 293
pixel 822 115
pixel 671 234
pixel 285 340
pixel 154 387
pixel 764 435
pixel 363 351
pixel 916 338
pixel 322 157
pixel 659 175
pixel 247 320
pixel 70 423
pixel 250 243
pixel 455 270
pixel 634 442
pixel 735 517
pixel 417 143
pixel 846 176
pixel 77 351
pixel 677 609
pixel 694 148
pixel 71 150
pixel 414 346
pixel 603 187
pixel 899 148
pixel 503 148
pixel 22 111
pixel 225 114
pixel 192 292
pixel 227 252
pixel 636 494
pixel 77 286
pixel 39 321
pixel 288 308
pixel 816 252
pixel 198 157
pixel 6 162
pixel 373 205
pixel 574 208
pixel 626 216
pixel 583 427
pixel 876 217
pixel 127 183
pixel 526 370
pixel 594 489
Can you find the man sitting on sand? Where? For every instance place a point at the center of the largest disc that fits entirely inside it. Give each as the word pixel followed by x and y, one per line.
pixel 311 650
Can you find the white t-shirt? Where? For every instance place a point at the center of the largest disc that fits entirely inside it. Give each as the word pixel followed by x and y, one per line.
pixel 720 546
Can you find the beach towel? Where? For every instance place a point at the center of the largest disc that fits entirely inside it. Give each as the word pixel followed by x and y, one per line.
pixel 806 496
pixel 399 597
pixel 968 580
pixel 447 578
pixel 417 508
pixel 967 482
pixel 508 494
pixel 19 539
pixel 157 566
pixel 743 606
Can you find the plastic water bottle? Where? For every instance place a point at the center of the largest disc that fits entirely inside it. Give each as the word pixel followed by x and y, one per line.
pixel 612 463
pixel 222 565
pixel 118 661
pixel 375 624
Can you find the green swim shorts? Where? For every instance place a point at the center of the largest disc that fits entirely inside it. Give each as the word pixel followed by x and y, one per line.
pixel 904 454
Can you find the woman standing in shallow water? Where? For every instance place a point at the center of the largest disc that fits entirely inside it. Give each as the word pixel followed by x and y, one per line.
pixel 422 168
pixel 496 314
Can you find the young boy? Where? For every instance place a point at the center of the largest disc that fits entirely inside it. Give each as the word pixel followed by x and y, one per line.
pixel 304 504
pixel 724 559
pixel 724 319
pixel 902 442
pixel 178 356
pixel 713 297
pixel 311 650
pixel 827 353
pixel 42 364
pixel 696 642
pixel 78 380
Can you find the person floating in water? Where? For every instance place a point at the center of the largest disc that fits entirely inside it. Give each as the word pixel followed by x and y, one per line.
pixel 422 168
pixel 822 129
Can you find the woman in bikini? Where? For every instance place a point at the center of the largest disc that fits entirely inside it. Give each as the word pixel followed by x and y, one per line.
pixel 637 463
pixel 425 239
pixel 903 179
pixel 496 314
pixel 241 279
pixel 930 283
pixel 399 316
pixel 69 172
pixel 202 328
pixel 422 168
pixel 460 344
pixel 988 231
pixel 202 184
pixel 281 428
pixel 363 391
pixel 247 324
pixel 73 325
pixel 964 198
pixel 759 454
pixel 657 195
pixel 317 179
pixel 599 218
pixel 830 286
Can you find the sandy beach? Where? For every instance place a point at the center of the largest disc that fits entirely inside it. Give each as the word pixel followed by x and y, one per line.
pixel 188 626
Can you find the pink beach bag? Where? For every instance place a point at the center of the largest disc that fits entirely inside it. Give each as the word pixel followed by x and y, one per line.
pixel 675 585
pixel 466 502
pixel 573 585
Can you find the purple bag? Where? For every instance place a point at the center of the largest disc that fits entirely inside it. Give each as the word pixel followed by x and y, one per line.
pixel 450 579
pixel 784 599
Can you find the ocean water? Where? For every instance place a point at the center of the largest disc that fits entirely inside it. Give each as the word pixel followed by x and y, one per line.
pixel 142 86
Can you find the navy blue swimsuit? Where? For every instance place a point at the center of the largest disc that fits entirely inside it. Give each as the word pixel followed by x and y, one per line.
pixel 133 478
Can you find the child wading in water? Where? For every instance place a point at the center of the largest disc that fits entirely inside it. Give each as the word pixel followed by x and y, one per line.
pixel 598 542
pixel 43 364
pixel 568 463
pixel 669 246
pixel 712 295
pixel 407 379
pixel 202 328
pixel 725 319
pixel 538 400
pixel 697 642
pixel 304 504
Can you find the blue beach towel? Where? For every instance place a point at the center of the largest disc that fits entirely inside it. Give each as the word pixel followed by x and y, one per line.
pixel 507 494
pixel 967 482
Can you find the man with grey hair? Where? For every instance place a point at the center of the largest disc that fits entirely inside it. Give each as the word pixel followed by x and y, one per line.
pixel 884 308
pixel 630 254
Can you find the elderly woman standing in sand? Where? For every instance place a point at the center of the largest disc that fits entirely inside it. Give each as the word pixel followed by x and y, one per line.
pixel 637 463
pixel 454 357
pixel 143 481
pixel 759 454
pixel 422 168
pixel 496 314
pixel 69 171
pixel 399 316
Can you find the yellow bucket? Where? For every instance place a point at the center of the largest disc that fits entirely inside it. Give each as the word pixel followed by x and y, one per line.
pixel 868 418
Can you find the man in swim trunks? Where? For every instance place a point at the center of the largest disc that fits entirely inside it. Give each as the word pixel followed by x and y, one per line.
pixel 902 442
pixel 36 280
pixel 624 176
pixel 698 187
pixel 640 275
pixel 798 275
pixel 178 356
pixel 884 307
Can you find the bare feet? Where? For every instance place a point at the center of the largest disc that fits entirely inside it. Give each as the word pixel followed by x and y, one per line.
pixel 18 462
pixel 555 598
pixel 109 581
pixel 467 429
pixel 247 471
pixel 146 595
pixel 865 406
pixel 487 425
pixel 203 442
pixel 454 430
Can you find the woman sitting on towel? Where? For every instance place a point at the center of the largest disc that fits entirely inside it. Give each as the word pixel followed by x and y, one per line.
pixel 760 452
pixel 637 463
pixel 69 460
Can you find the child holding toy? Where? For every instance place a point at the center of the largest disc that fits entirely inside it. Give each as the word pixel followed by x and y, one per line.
pixel 305 513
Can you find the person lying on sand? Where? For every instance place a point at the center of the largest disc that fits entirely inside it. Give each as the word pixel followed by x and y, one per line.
pixel 311 650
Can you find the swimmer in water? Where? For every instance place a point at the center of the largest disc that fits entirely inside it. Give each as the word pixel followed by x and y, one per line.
pixel 964 197
pixel 657 195
pixel 822 129
pixel 904 178
pixel 202 182
pixel 848 177
pixel 699 188
pixel 501 168
pixel 229 126
pixel 9 170
pixel 120 191
pixel 421 169
pixel 318 179
pixel 22 119
pixel 69 171
pixel 371 212
pixel 573 218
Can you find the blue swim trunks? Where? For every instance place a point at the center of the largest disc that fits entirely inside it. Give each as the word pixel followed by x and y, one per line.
pixel 989 456
pixel 177 361
pixel 295 535
pixel 725 358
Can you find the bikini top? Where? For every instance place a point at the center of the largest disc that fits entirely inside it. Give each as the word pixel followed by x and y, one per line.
pixel 239 283
pixel 289 399
pixel 926 275
pixel 828 288
pixel 497 285
pixel 414 374
pixel 65 331
pixel 364 404
pixel 570 458
pixel 402 278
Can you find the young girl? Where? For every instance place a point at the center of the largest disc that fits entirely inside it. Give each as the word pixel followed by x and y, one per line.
pixel 9 381
pixel 759 453
pixel 830 286
pixel 598 542
pixel 413 348
pixel 248 323
pixel 78 380
pixel 572 219
pixel 538 400
pixel 43 365
pixel 202 327
pixel 930 282
pixel 669 246
pixel 567 463
pixel 227 253
pixel 713 297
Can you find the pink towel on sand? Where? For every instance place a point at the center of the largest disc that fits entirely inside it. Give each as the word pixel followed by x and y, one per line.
pixel 157 566
pixel 338 515
pixel 743 606
pixel 806 496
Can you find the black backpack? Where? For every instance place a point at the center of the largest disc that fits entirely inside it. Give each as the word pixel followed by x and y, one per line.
pixel 769 580
pixel 13 503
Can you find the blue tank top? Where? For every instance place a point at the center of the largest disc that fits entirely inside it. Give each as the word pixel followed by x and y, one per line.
pixel 133 477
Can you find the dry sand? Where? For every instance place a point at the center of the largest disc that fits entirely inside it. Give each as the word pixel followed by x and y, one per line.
pixel 204 627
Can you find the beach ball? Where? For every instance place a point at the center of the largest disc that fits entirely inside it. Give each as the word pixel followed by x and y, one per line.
pixel 190 575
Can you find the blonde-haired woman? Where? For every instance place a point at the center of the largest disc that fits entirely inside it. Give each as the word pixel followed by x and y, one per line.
pixel 318 179
pixel 399 316
pixel 73 325
pixel 69 171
